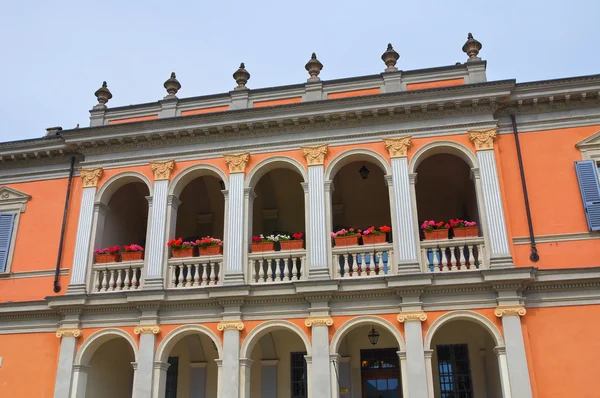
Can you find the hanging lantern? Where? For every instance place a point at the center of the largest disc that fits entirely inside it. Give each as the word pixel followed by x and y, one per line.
pixel 373 336
pixel 364 172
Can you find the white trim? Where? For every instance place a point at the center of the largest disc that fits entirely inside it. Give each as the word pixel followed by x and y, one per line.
pixel 362 321
pixel 12 201
pixel 354 155
pixel 272 163
pixel 32 274
pixel 269 326
pixel 92 343
pixel 110 186
pixel 551 238
pixel 187 175
pixel 437 147
pixel 167 344
pixel 470 316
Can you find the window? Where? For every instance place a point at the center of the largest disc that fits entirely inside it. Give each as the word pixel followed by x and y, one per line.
pixel 12 204
pixel 298 374
pixel 172 375
pixel 455 371
pixel 589 185
pixel 380 373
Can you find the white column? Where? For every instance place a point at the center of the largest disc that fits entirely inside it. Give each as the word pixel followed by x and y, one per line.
pixel 219 363
pixel 320 380
pixel 503 367
pixel 160 379
pixel 230 368
pixel 82 242
pixel 234 241
pixel 429 370
pixel 245 376
pixel 269 378
pixel 317 233
pixel 492 198
pixel 143 379
pixel 415 355
pixel 64 373
pixel 516 358
pixel 80 374
pixel 155 247
pixel 403 372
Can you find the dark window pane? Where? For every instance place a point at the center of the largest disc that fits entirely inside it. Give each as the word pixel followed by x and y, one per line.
pixel 172 374
pixel 455 371
pixel 298 374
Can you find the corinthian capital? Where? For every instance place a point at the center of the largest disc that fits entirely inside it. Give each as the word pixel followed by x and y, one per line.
pixel 90 177
pixel 237 162
pixel 315 155
pixel 162 170
pixel 483 139
pixel 397 147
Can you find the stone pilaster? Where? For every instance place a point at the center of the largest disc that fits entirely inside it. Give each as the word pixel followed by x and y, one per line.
pixel 230 370
pixel 66 356
pixel 317 237
pixel 492 198
pixel 145 370
pixel 416 373
pixel 320 384
pixel 156 246
pixel 89 179
pixel 516 358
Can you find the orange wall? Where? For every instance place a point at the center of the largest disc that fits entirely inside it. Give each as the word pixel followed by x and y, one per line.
pixel 562 343
pixel 205 110
pixel 434 84
pixel 354 93
pixel 29 363
pixel 294 100
pixel 133 119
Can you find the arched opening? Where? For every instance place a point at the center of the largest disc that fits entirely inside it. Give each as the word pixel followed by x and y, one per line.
pixel 446 194
pixel 110 372
pixel 278 216
pixel 192 370
pixel 278 366
pixel 464 362
pixel 202 209
pixel 369 362
pixel 360 200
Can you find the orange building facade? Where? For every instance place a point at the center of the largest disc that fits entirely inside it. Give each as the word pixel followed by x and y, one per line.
pixel 421 234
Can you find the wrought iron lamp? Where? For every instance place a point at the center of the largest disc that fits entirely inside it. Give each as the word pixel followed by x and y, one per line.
pixel 373 336
pixel 364 172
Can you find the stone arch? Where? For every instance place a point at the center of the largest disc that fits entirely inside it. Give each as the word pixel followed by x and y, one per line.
pixel 464 315
pixel 258 332
pixel 437 147
pixel 167 344
pixel 92 343
pixel 183 178
pixel 361 321
pixel 275 162
pixel 115 182
pixel 354 155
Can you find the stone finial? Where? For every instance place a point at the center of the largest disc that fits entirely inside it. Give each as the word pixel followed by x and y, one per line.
pixel 483 139
pixel 389 57
pixel 313 67
pixel 315 155
pixel 172 85
pixel 90 177
pixel 471 48
pixel 241 77
pixel 103 94
pixel 397 147
pixel 237 162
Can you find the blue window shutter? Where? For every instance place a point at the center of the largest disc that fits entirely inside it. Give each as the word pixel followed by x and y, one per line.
pixel 6 227
pixel 590 192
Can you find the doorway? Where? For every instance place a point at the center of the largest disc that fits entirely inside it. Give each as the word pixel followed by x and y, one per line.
pixel 380 373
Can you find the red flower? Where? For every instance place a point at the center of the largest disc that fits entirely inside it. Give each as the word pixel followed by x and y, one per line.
pixel 385 228
pixel 256 239
pixel 298 235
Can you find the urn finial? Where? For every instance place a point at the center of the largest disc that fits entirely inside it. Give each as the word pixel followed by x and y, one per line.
pixel 390 57
pixel 241 77
pixel 103 94
pixel 471 48
pixel 313 67
pixel 172 85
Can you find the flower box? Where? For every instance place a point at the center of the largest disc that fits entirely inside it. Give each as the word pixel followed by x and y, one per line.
pixel 465 232
pixel 132 256
pixel 436 234
pixel 351 240
pixel 180 253
pixel 103 258
pixel 373 239
pixel 263 247
pixel 211 250
pixel 291 244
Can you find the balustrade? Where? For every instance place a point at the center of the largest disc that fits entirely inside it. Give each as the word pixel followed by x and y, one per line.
pixel 448 255
pixel 363 261
pixel 110 277
pixel 195 271
pixel 280 266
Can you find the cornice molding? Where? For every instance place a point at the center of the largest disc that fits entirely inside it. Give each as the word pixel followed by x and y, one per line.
pixel 230 325
pixel 68 332
pixel 318 321
pixel 147 329
pixel 412 316
pixel 510 310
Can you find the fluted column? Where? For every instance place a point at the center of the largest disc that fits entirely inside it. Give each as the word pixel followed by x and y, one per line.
pixel 320 380
pixel 236 214
pixel 64 372
pixel 145 371
pixel 316 229
pixel 155 247
pixel 516 358
pixel 494 211
pixel 415 356
pixel 229 378
pixel 404 232
pixel 84 231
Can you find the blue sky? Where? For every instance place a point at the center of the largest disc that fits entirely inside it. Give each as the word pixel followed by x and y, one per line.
pixel 57 53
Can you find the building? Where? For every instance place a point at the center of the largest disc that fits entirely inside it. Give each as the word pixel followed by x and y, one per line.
pixel 507 310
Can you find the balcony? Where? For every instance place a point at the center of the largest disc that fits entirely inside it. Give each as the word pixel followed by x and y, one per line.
pixel 195 271
pixel 364 261
pixel 277 266
pixel 450 255
pixel 119 276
